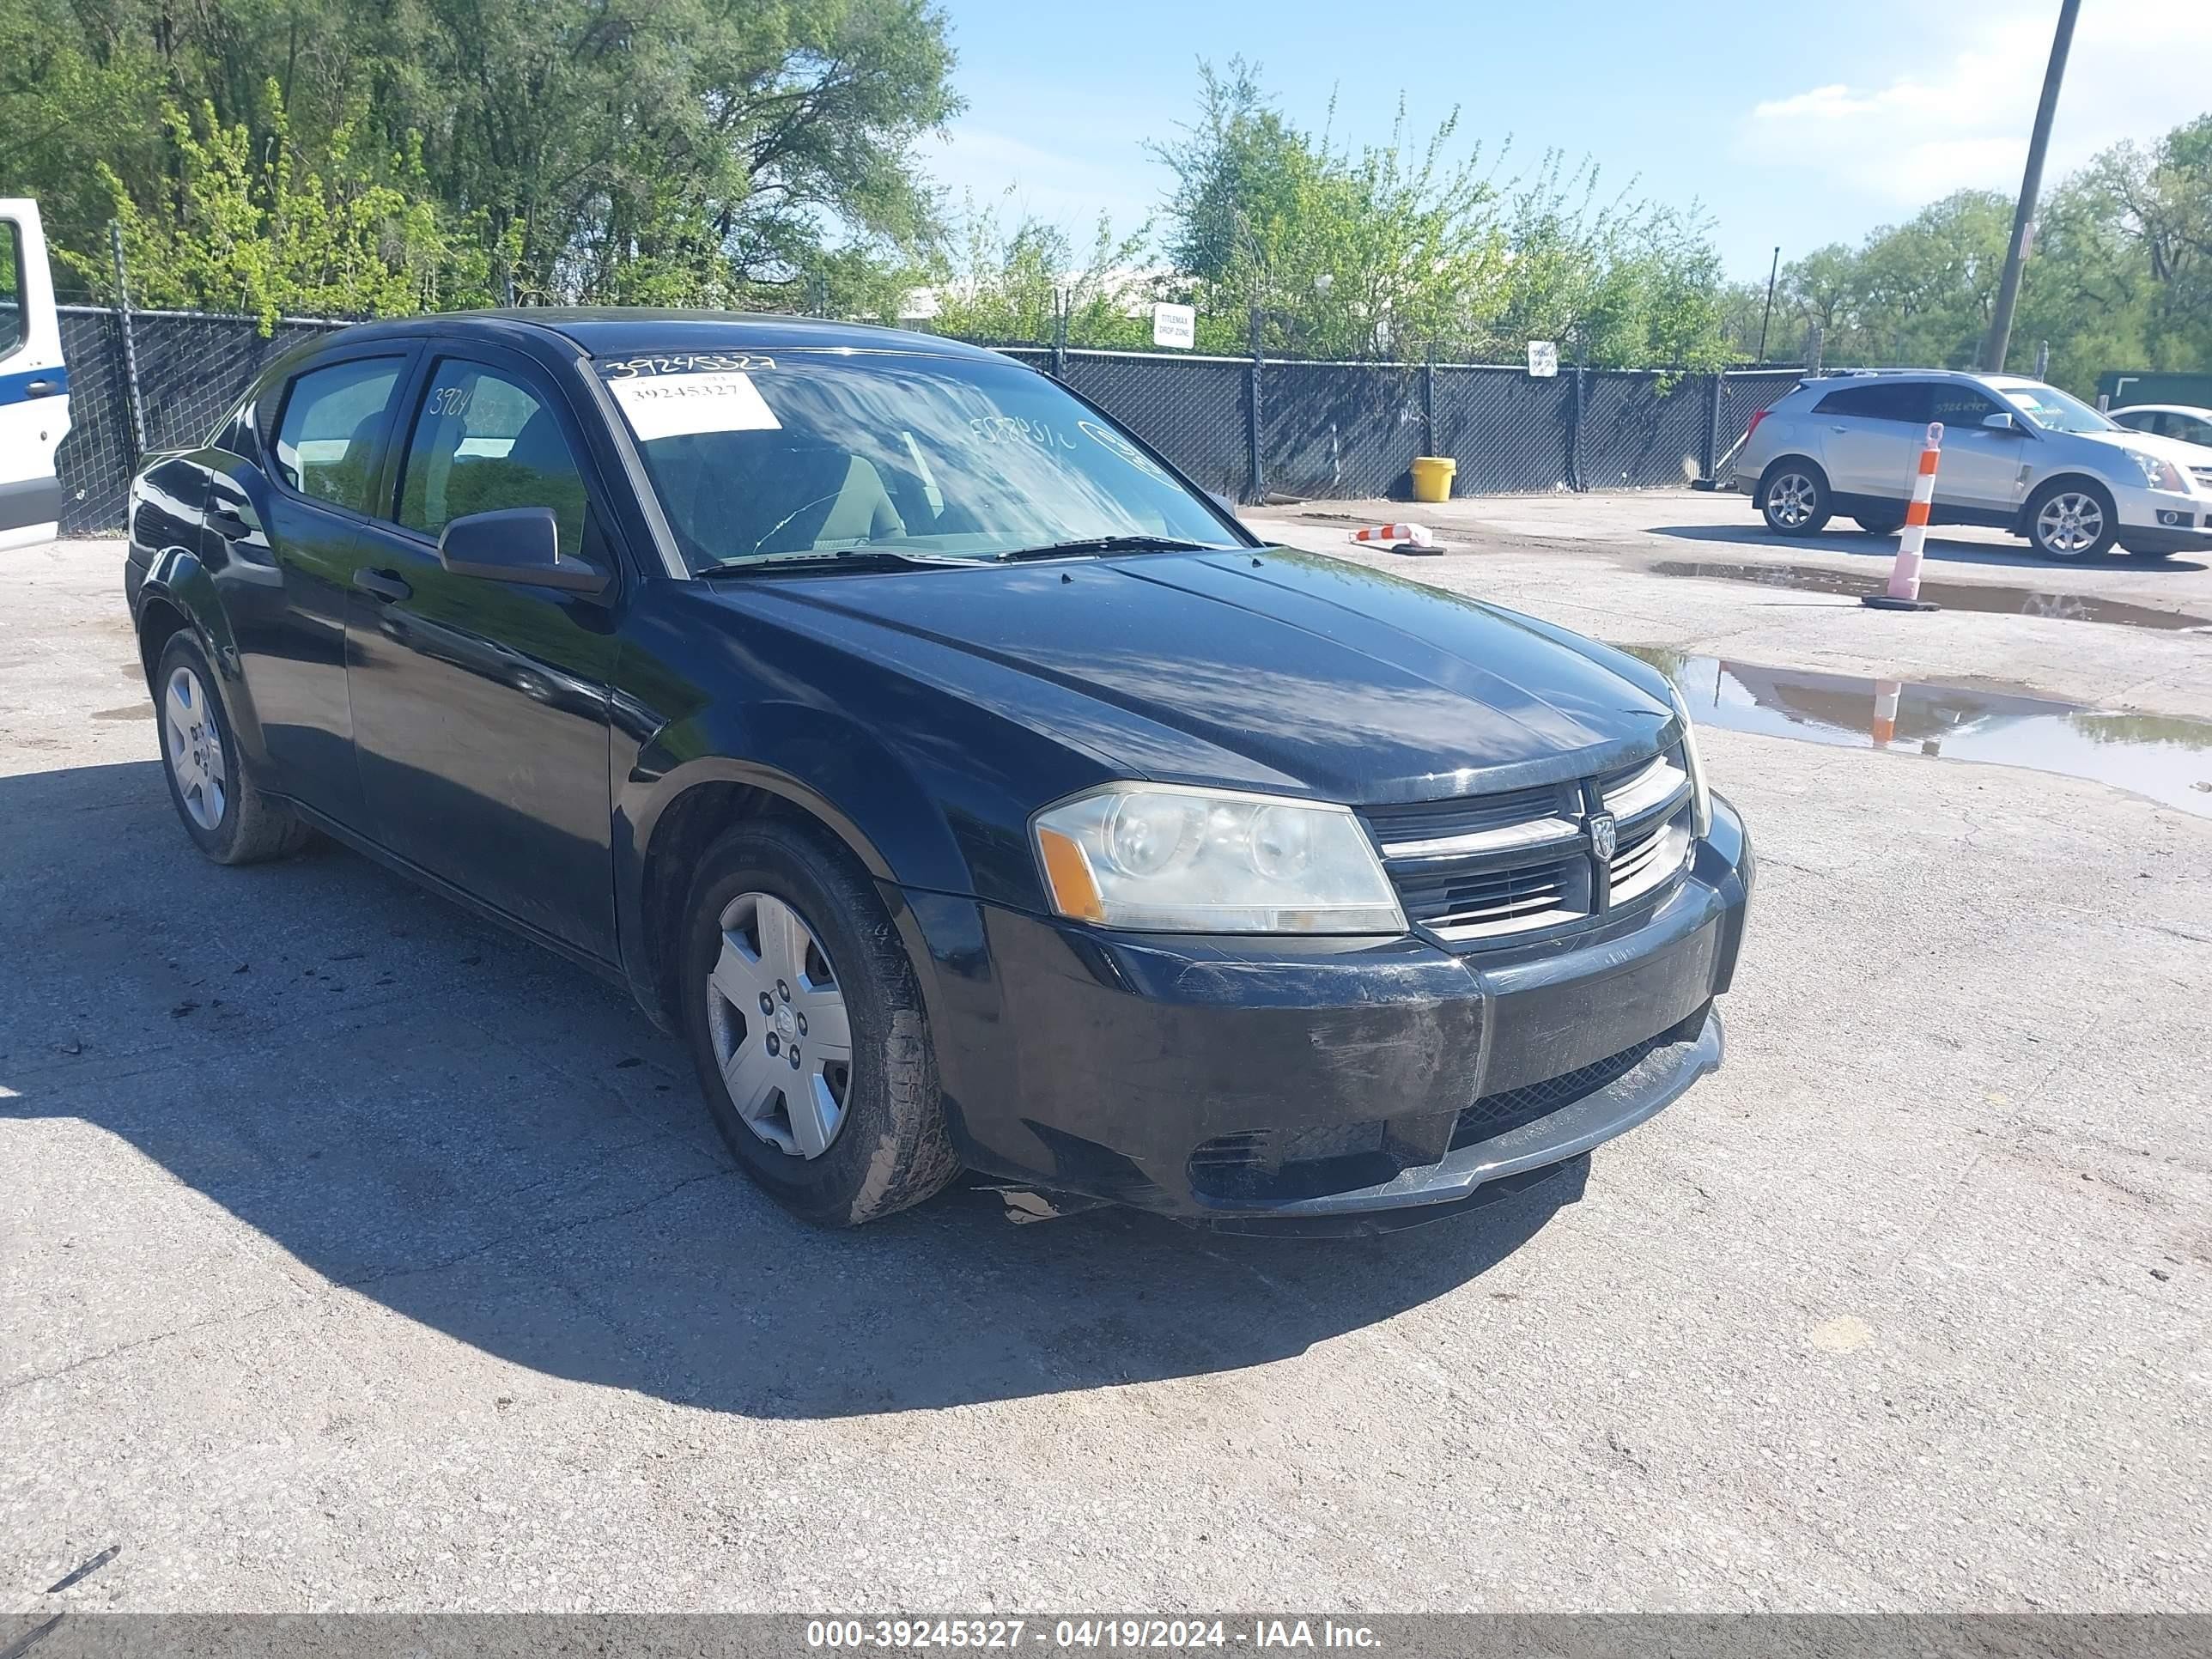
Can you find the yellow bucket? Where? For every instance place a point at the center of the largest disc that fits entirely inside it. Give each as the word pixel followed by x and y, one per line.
pixel 1432 477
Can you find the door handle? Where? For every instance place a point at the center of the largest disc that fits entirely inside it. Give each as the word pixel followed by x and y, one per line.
pixel 228 526
pixel 39 389
pixel 1840 428
pixel 383 585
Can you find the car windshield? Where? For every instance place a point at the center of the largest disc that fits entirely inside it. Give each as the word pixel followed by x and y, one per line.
pixel 758 456
pixel 2054 411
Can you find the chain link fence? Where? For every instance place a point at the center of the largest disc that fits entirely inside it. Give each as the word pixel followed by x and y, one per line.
pixel 1250 429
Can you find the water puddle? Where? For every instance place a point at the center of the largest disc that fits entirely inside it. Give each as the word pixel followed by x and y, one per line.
pixel 1952 595
pixel 2163 756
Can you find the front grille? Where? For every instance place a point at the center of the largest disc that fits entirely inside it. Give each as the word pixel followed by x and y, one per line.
pixel 1494 1114
pixel 2202 475
pixel 1477 869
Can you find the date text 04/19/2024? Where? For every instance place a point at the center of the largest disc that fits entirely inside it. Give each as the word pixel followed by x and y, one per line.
pixel 1109 1634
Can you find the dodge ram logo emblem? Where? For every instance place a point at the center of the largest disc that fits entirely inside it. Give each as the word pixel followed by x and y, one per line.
pixel 1605 833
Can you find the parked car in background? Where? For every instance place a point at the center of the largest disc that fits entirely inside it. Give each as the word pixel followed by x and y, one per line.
pixel 963 785
pixel 2191 426
pixel 34 404
pixel 2017 455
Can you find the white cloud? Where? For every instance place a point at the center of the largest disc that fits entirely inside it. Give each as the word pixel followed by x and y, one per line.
pixel 2136 68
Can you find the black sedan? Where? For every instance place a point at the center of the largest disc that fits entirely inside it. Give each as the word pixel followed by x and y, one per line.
pixel 964 786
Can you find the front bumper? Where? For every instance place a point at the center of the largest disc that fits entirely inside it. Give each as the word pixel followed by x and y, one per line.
pixel 1323 1085
pixel 2164 522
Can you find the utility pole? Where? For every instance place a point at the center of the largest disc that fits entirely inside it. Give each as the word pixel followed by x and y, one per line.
pixel 2031 186
pixel 1767 316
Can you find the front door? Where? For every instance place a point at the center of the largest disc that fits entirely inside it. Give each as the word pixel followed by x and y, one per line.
pixel 34 404
pixel 480 707
pixel 1980 470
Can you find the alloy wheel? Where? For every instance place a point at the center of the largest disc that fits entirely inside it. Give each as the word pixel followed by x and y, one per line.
pixel 2069 523
pixel 1792 498
pixel 195 749
pixel 776 1016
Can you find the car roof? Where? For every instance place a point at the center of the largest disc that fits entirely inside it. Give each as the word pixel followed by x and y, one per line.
pixel 620 330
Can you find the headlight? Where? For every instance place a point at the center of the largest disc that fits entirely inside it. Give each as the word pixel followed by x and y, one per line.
pixel 1701 801
pixel 1156 858
pixel 2158 472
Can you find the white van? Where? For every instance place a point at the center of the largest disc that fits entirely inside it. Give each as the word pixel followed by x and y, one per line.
pixel 34 405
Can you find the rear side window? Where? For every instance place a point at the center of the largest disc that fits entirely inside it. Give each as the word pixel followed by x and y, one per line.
pixel 1883 400
pixel 483 442
pixel 11 288
pixel 326 438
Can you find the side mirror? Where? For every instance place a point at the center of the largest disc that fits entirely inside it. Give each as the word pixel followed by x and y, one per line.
pixel 516 544
pixel 2001 422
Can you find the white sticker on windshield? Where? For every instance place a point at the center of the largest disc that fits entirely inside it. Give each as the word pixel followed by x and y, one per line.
pixel 677 405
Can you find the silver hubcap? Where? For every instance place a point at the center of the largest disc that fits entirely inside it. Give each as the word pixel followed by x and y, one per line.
pixel 776 1015
pixel 2069 523
pixel 195 747
pixel 1791 501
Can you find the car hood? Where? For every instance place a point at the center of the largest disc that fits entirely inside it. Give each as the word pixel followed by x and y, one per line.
pixel 1265 668
pixel 2180 451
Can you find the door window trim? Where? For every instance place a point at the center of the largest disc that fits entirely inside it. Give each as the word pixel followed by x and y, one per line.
pixel 14 235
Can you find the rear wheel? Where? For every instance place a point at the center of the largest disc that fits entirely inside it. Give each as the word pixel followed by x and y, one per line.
pixel 2071 519
pixel 1875 523
pixel 1793 497
pixel 808 1030
pixel 227 818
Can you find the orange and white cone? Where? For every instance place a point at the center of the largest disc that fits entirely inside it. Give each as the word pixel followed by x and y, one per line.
pixel 1903 593
pixel 1887 694
pixel 1419 534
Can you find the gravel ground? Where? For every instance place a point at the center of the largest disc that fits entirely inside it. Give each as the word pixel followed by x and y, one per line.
pixel 356 1256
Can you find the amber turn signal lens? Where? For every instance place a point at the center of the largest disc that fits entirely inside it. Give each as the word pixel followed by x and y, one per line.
pixel 1074 891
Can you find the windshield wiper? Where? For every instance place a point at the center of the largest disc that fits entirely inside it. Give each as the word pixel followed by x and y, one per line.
pixel 852 559
pixel 1112 544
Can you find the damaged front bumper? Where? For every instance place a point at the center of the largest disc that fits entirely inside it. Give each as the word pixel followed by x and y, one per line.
pixel 1328 1086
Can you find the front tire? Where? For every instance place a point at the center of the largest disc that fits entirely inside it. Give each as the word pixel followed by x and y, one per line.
pixel 227 818
pixel 808 1029
pixel 1793 498
pixel 2072 519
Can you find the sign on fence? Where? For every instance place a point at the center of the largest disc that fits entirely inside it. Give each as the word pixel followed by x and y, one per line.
pixel 1543 359
pixel 1175 326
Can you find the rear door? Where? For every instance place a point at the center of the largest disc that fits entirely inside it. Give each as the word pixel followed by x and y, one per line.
pixel 480 707
pixel 293 513
pixel 34 404
pixel 1869 433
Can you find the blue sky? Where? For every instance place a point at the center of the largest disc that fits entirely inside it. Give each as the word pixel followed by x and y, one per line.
pixel 1793 123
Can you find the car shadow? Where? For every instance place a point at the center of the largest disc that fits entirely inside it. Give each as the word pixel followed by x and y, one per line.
pixel 1950 549
pixel 496 1144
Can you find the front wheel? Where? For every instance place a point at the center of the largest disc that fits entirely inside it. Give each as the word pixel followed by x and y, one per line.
pixel 808 1030
pixel 1793 497
pixel 2071 521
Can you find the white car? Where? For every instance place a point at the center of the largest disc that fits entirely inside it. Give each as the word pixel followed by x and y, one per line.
pixel 35 411
pixel 2191 426
pixel 2017 455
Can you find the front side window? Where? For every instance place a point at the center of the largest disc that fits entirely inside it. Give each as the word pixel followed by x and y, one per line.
pixel 483 442
pixel 11 287
pixel 756 456
pixel 1960 405
pixel 2054 411
pixel 326 437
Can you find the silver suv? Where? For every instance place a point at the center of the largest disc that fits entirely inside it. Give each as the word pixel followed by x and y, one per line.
pixel 2017 455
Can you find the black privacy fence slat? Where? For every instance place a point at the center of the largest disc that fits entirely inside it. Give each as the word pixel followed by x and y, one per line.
pixel 1510 432
pixel 1341 431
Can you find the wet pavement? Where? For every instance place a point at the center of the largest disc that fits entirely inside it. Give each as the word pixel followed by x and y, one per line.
pixel 1992 599
pixel 2164 757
